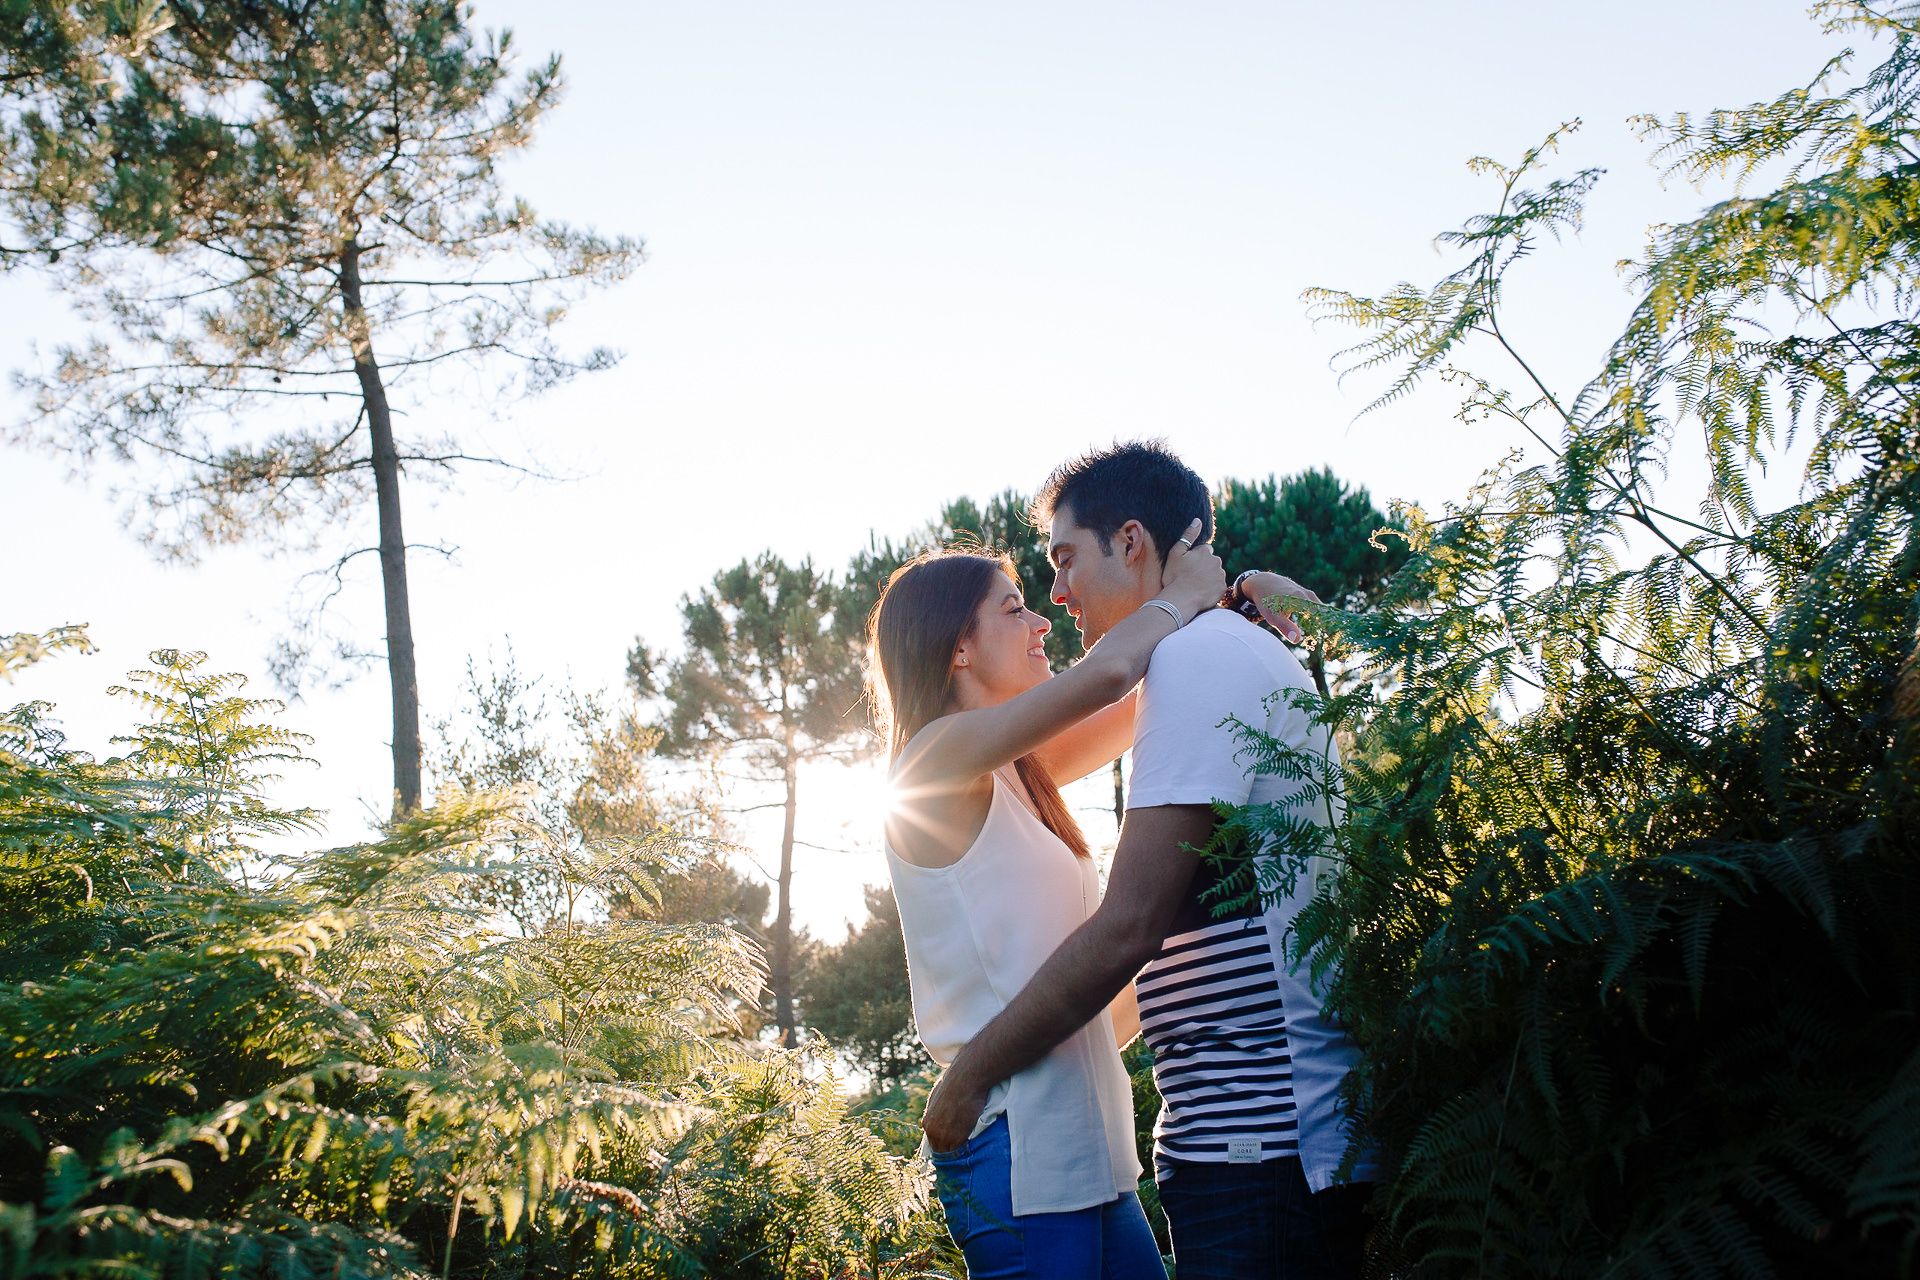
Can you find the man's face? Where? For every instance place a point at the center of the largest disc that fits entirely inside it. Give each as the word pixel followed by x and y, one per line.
pixel 1099 587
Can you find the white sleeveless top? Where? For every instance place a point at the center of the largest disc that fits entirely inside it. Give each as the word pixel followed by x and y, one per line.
pixel 976 931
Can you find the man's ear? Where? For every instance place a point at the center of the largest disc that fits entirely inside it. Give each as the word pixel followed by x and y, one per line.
pixel 1135 542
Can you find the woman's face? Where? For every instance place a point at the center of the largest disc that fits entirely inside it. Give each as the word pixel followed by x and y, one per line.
pixel 1006 655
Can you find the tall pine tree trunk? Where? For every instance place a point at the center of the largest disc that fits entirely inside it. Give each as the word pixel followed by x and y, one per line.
pixel 393 542
pixel 783 915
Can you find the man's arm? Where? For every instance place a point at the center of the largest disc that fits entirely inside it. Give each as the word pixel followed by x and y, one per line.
pixel 1152 871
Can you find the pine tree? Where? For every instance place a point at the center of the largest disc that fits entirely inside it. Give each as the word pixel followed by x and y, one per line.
pixel 63 65
pixel 1002 525
pixel 1314 529
pixel 768 680
pixel 282 215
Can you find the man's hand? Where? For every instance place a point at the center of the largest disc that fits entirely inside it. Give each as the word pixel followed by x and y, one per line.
pixel 952 1109
pixel 1152 870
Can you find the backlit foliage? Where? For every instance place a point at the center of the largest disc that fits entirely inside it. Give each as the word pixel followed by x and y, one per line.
pixel 1622 913
pixel 331 1065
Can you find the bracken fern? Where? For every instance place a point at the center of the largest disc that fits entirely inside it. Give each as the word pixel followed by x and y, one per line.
pixel 1621 911
pixel 332 1065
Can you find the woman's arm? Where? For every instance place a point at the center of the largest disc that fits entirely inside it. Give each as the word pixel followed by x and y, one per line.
pixel 1269 593
pixel 958 749
pixel 1126 1017
pixel 1098 740
pixel 1093 743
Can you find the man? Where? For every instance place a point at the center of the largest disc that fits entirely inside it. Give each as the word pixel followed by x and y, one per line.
pixel 1249 1069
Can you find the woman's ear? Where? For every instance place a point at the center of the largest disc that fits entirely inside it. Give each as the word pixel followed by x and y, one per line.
pixel 960 656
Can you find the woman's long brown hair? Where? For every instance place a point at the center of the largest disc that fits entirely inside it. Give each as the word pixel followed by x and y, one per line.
pixel 926 610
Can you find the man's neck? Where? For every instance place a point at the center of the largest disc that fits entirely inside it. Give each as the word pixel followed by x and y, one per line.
pixel 1120 605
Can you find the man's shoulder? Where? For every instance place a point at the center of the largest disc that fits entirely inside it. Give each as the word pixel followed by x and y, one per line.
pixel 1219 645
pixel 1214 631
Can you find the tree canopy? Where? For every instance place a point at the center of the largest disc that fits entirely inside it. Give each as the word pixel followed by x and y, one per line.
pixel 767 679
pixel 1314 528
pixel 279 216
pixel 856 995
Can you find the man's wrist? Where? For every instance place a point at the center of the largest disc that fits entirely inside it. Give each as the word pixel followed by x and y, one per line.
pixel 961 1078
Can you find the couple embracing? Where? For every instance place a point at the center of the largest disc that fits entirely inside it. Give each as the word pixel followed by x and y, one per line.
pixel 1025 981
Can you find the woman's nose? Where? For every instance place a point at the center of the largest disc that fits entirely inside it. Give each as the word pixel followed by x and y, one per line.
pixel 1041 625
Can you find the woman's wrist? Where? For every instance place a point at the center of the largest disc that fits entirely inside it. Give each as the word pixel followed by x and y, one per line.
pixel 1254 591
pixel 1192 601
pixel 1247 591
pixel 1160 604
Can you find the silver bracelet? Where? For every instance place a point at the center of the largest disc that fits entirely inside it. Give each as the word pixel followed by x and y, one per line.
pixel 1171 611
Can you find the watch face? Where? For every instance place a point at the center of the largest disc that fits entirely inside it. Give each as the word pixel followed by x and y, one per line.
pixel 1249 609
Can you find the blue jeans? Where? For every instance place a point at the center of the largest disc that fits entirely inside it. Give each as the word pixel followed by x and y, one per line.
pixel 1259 1222
pixel 975 1183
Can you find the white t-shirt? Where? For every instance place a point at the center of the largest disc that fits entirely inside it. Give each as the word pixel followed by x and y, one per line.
pixel 1248 1066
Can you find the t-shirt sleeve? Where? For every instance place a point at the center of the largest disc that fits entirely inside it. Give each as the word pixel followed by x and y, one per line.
pixel 1186 749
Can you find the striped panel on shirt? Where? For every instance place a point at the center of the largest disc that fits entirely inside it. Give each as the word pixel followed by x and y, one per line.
pixel 1210 1007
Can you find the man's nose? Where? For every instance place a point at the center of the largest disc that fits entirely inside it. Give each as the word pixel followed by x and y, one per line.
pixel 1057 592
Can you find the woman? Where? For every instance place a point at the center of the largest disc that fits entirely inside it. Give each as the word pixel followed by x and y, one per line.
pixel 991 873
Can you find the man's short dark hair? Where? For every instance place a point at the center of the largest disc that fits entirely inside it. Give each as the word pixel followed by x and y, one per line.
pixel 1139 480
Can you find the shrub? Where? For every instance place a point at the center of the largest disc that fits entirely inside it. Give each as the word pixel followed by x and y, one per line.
pixel 332 1066
pixel 1621 913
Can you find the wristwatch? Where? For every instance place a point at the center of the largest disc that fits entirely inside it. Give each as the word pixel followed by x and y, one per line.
pixel 1237 598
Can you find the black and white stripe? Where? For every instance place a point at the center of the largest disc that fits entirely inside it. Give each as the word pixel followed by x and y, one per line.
pixel 1210 1007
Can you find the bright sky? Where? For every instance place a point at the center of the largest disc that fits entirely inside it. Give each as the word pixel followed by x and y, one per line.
pixel 904 252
